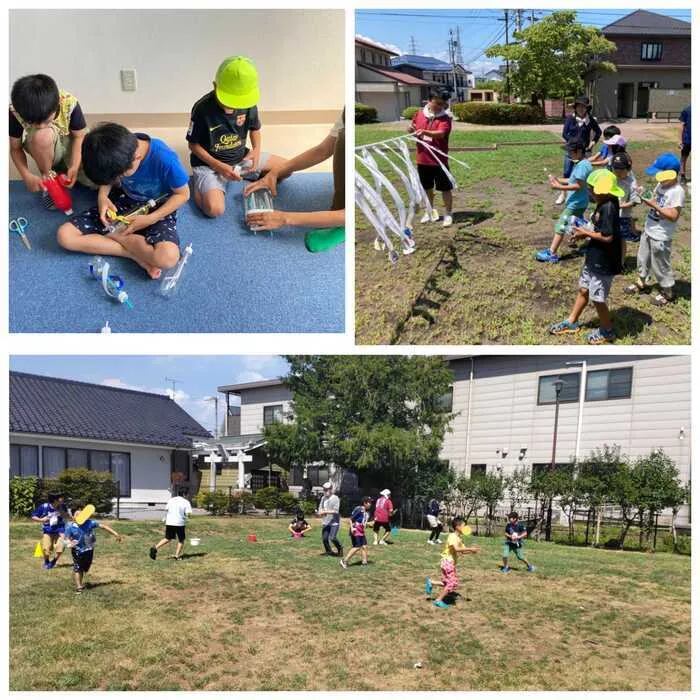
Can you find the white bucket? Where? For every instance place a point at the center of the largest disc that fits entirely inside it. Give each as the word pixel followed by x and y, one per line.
pixel 194 541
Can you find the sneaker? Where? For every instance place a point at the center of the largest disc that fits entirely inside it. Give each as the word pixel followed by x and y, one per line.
pixel 438 541
pixel 428 586
pixel 447 221
pixel 600 337
pixel 546 255
pixel 153 553
pixel 343 563
pixel 560 199
pixel 78 591
pixel 375 543
pixel 563 327
pixel 47 565
pixel 505 569
pixel 52 563
pixel 431 542
pixel 531 568
pixel 434 215
pixel 383 542
pixel 440 604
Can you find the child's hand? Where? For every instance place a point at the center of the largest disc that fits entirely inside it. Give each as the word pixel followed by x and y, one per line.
pixel 254 157
pixel 228 172
pixel 33 183
pixel 267 220
pixel 71 177
pixel 138 223
pixel 103 205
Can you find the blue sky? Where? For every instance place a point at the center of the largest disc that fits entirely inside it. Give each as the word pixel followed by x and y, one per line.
pixel 479 28
pixel 199 375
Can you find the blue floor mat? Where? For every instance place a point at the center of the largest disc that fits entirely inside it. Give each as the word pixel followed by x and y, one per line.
pixel 235 282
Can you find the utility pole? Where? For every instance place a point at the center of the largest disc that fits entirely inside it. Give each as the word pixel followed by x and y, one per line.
pixel 412 46
pixel 452 49
pixel 507 61
pixel 518 20
pixel 173 382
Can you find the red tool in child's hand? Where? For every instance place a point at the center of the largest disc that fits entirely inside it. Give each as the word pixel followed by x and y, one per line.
pixel 55 186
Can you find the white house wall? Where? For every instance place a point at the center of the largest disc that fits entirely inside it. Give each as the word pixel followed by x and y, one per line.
pixel 150 466
pixel 253 401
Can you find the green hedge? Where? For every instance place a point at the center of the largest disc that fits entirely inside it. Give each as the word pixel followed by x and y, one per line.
pixel 410 112
pixel 23 495
pixel 497 113
pixel 216 502
pixel 364 114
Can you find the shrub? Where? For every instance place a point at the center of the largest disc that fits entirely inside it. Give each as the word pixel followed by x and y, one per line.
pixel 267 499
pixel 216 502
pixel 22 495
pixel 683 543
pixel 497 113
pixel 240 502
pixel 364 114
pixel 308 506
pixel 288 502
pixel 410 112
pixel 83 486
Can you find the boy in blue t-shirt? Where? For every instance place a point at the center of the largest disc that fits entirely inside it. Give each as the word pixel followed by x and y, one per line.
pixel 142 169
pixel 515 534
pixel 358 520
pixel 80 536
pixel 50 515
pixel 576 201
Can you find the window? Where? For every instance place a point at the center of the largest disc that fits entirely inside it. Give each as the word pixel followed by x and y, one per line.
pixel 77 459
pixel 569 391
pixel 24 460
pixel 272 414
pixel 652 51
pixel 99 461
pixel 120 466
pixel 54 462
pixel 606 384
pixel 445 401
pixel 477 470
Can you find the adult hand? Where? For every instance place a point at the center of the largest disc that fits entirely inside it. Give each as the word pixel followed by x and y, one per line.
pixel 33 183
pixel 254 157
pixel 268 182
pixel 267 220
pixel 105 204
pixel 71 177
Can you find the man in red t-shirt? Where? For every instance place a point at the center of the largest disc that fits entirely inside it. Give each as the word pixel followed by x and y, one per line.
pixel 432 125
pixel 383 510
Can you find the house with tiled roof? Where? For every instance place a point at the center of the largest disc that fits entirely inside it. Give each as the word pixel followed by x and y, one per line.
pixel 652 56
pixel 144 440
pixel 455 79
pixel 383 87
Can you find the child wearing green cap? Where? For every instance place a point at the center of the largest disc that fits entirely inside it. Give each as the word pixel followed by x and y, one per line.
pixel 654 254
pixel 220 124
pixel 603 258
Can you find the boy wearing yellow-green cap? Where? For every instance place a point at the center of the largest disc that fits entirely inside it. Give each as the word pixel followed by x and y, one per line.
pixel 220 125
pixel 603 258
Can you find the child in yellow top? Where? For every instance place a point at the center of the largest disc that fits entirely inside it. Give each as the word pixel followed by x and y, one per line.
pixel 448 563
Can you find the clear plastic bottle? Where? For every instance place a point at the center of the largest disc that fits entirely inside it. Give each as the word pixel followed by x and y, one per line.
pixel 257 202
pixel 171 278
pixel 113 285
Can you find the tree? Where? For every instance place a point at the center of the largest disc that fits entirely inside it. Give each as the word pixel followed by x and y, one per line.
pixel 571 497
pixel 496 85
pixel 517 488
pixel 547 485
pixel 490 489
pixel 550 57
pixel 384 414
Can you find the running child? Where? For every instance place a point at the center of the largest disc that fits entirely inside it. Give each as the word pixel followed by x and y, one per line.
pixel 358 520
pixel 176 511
pixel 383 510
pixel 603 259
pixel 515 534
pixel 576 199
pixel 80 534
pixel 448 563
pixel 433 517
pixel 665 206
pixel 50 515
pixel 432 125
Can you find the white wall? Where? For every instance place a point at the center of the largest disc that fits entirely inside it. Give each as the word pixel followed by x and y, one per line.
pixel 299 55
pixel 253 401
pixel 150 466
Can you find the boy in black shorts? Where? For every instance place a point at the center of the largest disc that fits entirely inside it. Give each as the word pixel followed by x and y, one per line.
pixel 177 510
pixel 142 169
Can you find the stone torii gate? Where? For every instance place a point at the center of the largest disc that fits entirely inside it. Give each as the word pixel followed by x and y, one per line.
pixel 222 455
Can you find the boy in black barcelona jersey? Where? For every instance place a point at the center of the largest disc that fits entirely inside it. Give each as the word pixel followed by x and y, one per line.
pixel 220 124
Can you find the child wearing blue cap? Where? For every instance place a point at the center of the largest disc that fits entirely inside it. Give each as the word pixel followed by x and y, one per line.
pixel 654 254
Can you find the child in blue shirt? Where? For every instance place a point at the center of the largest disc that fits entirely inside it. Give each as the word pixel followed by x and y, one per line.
pixel 80 536
pixel 142 169
pixel 50 515
pixel 358 520
pixel 513 544
pixel 576 201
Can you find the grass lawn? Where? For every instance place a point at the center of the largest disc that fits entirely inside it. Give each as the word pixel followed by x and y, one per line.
pixel 477 281
pixel 274 615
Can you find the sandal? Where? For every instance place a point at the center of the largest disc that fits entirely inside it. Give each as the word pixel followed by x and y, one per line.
pixel 600 337
pixel 564 327
pixel 635 288
pixel 660 300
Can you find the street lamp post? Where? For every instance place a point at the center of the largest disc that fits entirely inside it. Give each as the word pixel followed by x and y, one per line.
pixel 558 385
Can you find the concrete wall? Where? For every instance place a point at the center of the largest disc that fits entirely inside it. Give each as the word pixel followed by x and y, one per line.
pixel 299 55
pixel 253 402
pixel 150 466
pixel 505 414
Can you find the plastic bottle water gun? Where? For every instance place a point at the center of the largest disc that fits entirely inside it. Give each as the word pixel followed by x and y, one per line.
pixel 112 284
pixel 579 222
pixel 324 239
pixel 120 222
pixel 55 186
pixel 245 170
pixel 257 202
pixel 171 278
